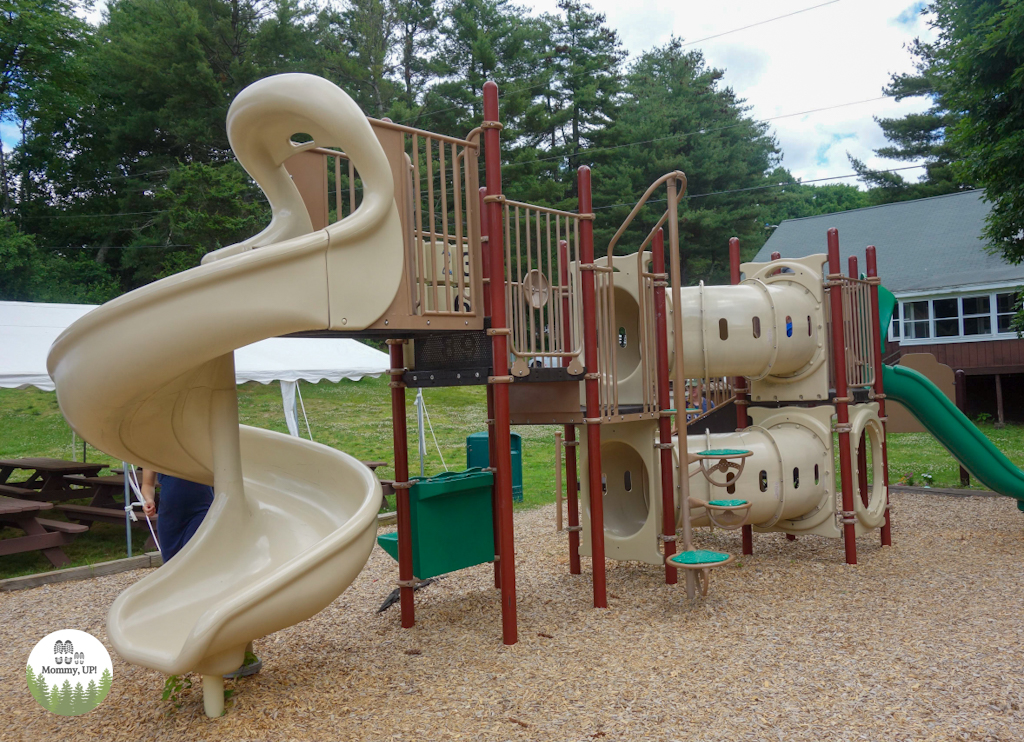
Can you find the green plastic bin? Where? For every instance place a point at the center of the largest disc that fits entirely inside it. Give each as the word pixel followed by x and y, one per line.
pixel 452 523
pixel 478 455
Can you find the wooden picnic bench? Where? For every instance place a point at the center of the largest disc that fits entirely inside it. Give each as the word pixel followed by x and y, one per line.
pixel 41 534
pixel 47 478
pixel 104 506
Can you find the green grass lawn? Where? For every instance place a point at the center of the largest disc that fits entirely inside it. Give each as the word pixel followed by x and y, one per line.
pixel 355 417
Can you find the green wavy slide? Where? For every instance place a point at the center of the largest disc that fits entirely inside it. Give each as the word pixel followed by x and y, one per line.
pixel 953 430
pixel 942 419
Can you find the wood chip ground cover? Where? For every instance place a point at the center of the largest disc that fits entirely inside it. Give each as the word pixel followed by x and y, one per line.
pixel 921 641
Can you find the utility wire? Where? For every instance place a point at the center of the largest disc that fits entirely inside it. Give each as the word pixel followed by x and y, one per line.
pixel 760 23
pixel 94 216
pixel 764 187
pixel 696 131
pixel 688 43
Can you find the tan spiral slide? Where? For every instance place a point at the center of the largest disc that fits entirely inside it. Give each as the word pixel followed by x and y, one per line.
pixel 149 378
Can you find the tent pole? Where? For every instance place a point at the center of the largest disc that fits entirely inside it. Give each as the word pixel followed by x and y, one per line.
pixel 127 508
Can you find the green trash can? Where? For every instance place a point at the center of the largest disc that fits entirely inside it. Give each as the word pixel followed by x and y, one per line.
pixel 478 455
pixel 452 523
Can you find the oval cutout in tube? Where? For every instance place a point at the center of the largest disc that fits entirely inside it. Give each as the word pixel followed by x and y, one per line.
pixel 723 328
pixel 757 327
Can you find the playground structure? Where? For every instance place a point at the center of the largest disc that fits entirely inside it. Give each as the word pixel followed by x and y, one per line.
pixel 468 287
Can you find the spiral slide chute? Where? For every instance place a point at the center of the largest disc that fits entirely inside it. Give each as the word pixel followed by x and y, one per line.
pixel 149 378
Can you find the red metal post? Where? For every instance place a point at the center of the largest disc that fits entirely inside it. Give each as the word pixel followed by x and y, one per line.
pixel 841 400
pixel 668 510
pixel 593 418
pixel 961 404
pixel 879 390
pixel 485 269
pixel 571 444
pixel 740 383
pixel 502 460
pixel 776 256
pixel 401 444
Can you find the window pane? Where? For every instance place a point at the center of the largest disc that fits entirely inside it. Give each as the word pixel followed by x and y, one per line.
pixel 945 308
pixel 1004 303
pixel 947 328
pixel 1004 322
pixel 977 325
pixel 915 310
pixel 976 305
pixel 895 325
pixel 916 329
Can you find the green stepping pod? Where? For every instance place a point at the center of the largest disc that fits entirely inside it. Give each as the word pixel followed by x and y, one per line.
pixel 699 556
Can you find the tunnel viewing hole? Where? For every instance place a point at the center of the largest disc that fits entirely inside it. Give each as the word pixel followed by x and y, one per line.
pixel 627 319
pixel 626 497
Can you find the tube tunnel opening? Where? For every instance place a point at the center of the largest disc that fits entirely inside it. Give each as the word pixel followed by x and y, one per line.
pixel 626 497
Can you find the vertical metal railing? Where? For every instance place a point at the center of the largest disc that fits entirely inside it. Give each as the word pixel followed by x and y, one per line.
pixel 535 284
pixel 857 331
pixel 441 213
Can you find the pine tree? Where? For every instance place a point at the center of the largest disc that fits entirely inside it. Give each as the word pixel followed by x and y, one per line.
pixel 33 682
pixel 104 689
pixel 587 63
pixel 54 704
pixel 67 699
pixel 43 691
pixel 90 695
pixel 676 115
pixel 78 700
pixel 916 137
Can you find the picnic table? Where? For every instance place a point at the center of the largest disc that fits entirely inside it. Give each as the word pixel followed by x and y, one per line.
pixel 104 507
pixel 41 534
pixel 47 478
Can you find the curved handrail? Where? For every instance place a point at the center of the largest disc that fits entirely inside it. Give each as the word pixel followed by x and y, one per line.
pixel 677 174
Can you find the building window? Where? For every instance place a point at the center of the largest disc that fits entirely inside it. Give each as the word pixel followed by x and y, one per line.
pixel 947 317
pixel 915 320
pixel 1004 312
pixel 969 317
pixel 977 315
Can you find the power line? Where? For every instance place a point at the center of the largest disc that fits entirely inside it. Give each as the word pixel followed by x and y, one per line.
pixel 760 23
pixel 110 247
pixel 697 131
pixel 765 187
pixel 94 216
pixel 688 43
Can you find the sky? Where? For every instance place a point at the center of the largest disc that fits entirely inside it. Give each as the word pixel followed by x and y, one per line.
pixel 833 53
pixel 818 54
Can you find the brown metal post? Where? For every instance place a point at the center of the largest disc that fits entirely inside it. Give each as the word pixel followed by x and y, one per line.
pixel 1000 422
pixel 485 269
pixel 593 418
pixel 668 510
pixel 776 256
pixel 401 444
pixel 571 444
pixel 961 404
pixel 879 390
pixel 740 383
pixel 841 399
pixel 502 461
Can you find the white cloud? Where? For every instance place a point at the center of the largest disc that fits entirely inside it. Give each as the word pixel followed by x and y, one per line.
pixel 10 134
pixel 843 52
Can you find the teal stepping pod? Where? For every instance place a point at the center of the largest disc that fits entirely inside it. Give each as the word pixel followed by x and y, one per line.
pixel 698 557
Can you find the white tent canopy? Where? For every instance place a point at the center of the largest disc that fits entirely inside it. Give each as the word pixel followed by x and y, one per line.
pixel 28 329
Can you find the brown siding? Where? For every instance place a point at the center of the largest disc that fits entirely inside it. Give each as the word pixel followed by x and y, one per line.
pixel 986 357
